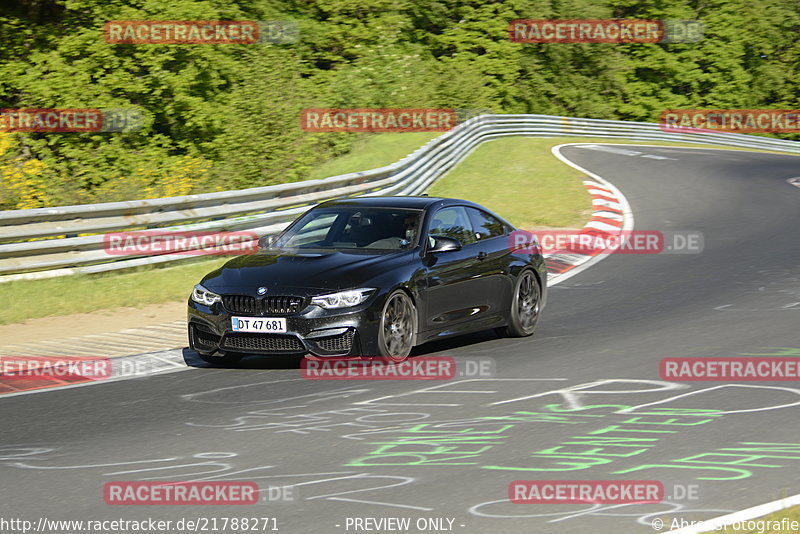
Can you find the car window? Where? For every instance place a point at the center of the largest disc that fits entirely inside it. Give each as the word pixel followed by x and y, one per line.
pixel 355 228
pixel 453 222
pixel 485 225
pixel 315 230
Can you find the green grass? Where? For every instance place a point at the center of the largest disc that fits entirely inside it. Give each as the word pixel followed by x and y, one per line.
pixel 372 151
pixel 85 293
pixel 537 190
pixel 521 180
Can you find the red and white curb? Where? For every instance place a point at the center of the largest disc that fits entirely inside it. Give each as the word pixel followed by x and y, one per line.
pixel 122 368
pixel 611 215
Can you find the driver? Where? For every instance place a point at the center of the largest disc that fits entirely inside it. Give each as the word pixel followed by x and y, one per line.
pixel 410 223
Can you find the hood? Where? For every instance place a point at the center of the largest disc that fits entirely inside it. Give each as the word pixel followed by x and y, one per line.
pixel 283 272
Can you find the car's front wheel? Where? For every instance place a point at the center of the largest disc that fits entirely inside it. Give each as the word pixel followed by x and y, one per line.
pixel 525 306
pixel 398 326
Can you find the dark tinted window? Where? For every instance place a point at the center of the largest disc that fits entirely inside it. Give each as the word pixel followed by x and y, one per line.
pixel 485 225
pixel 354 228
pixel 453 222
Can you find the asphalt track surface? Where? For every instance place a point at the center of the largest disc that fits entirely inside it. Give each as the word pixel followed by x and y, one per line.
pixel 411 449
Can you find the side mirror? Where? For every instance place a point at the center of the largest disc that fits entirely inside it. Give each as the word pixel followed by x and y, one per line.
pixel 267 242
pixel 443 244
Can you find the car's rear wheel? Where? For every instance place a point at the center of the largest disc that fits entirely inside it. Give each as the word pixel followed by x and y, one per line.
pixel 398 326
pixel 525 306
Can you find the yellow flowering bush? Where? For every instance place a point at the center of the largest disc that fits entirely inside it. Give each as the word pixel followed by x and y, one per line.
pixel 22 184
pixel 179 178
pixel 175 177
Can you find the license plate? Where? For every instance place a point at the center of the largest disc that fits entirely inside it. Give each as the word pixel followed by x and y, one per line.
pixel 258 324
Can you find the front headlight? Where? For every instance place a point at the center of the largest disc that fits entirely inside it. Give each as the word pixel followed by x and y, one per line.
pixel 203 296
pixel 343 299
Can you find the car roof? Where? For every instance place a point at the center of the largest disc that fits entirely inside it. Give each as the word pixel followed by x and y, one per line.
pixel 420 202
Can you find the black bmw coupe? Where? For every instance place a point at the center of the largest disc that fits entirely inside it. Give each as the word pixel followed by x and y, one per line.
pixel 369 276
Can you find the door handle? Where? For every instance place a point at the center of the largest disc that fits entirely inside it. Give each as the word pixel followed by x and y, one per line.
pixel 482 255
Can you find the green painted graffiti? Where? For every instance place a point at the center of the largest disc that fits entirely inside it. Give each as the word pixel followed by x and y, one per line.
pixel 420 445
pixel 731 456
pixel 425 445
pixel 604 448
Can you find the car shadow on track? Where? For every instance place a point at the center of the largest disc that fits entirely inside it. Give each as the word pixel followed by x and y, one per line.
pixel 445 346
pixel 192 359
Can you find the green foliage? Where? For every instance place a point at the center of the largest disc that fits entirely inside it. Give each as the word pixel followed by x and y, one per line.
pixel 227 116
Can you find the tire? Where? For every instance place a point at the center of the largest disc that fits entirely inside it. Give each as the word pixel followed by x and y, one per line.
pixel 525 306
pixel 226 360
pixel 397 327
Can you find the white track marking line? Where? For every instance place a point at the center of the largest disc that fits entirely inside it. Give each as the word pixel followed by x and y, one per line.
pixel 742 515
pixel 720 147
pixel 160 362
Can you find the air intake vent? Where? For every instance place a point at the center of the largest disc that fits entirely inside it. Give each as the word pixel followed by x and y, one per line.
pixel 264 306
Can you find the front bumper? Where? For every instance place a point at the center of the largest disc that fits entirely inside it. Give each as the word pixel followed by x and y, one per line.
pixel 347 332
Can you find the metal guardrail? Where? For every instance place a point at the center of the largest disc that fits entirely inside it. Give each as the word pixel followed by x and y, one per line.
pixel 46 242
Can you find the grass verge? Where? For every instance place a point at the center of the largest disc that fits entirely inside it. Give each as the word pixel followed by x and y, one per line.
pixel 66 295
pixel 520 179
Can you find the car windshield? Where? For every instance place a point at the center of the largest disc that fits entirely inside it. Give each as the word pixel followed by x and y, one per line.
pixel 354 227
